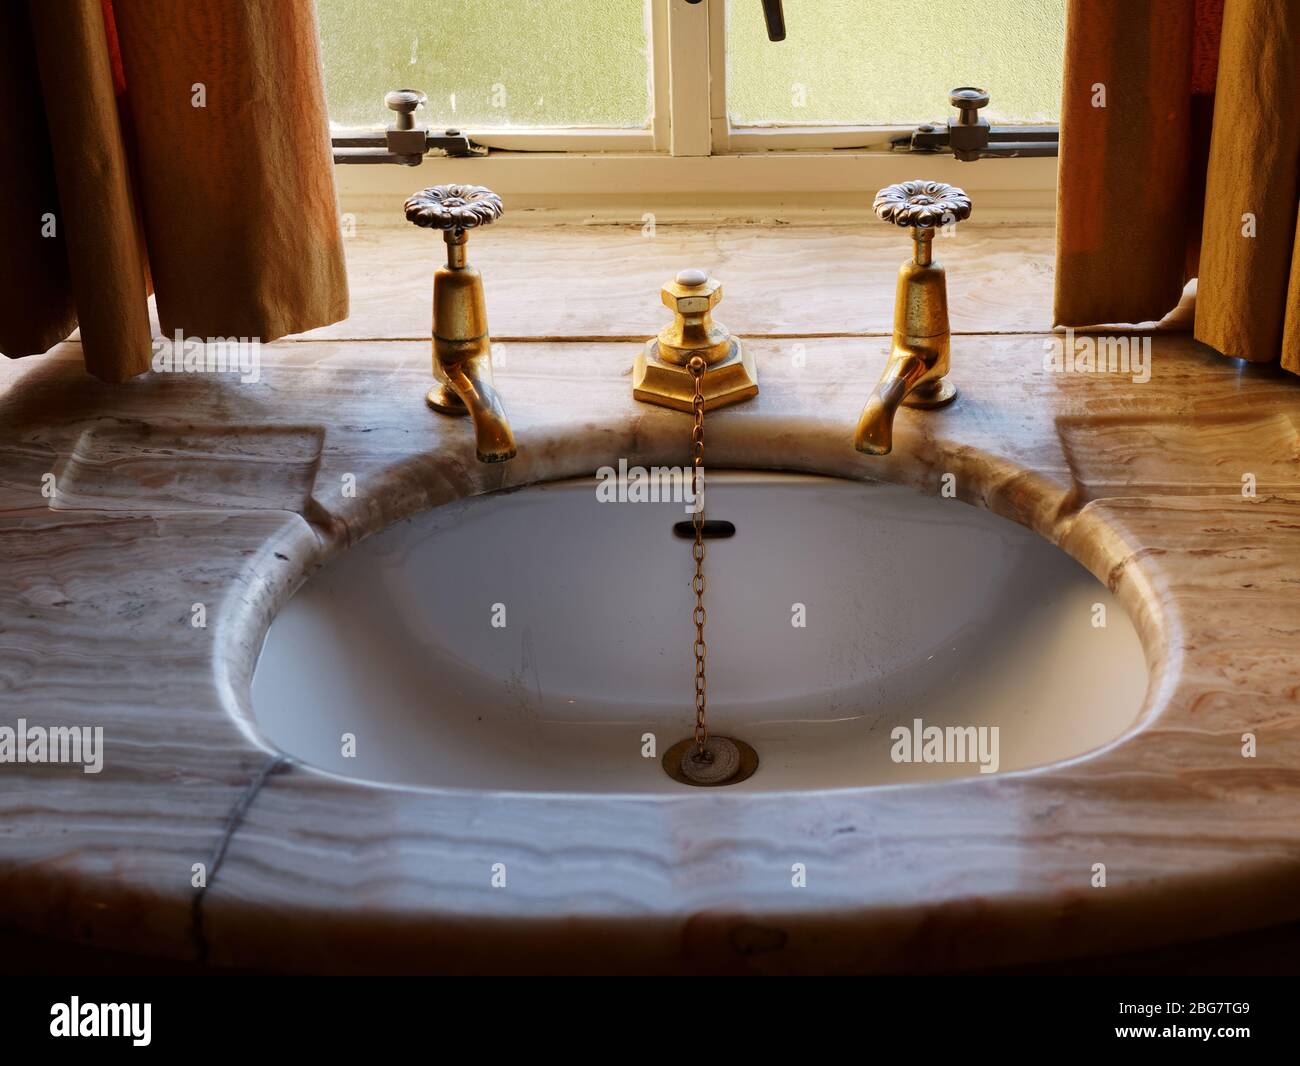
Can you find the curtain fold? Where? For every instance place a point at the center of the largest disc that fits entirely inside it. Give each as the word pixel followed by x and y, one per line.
pixel 1122 222
pixel 240 211
pixel 189 145
pixel 1253 183
pixel 36 306
pixel 101 230
pixel 1192 169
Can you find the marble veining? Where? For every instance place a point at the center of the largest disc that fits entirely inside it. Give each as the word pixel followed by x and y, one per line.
pixel 164 501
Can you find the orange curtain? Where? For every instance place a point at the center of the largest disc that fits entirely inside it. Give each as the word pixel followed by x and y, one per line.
pixel 1180 158
pixel 167 145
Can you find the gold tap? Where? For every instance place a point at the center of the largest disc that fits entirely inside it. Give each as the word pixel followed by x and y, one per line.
pixel 918 361
pixel 661 373
pixel 462 349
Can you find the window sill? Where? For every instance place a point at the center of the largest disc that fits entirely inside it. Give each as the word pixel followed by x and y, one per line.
pixel 812 183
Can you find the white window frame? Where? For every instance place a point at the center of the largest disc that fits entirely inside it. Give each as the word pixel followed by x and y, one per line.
pixel 690 151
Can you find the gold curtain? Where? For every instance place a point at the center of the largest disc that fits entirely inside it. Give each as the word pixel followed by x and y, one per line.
pixel 167 145
pixel 1190 169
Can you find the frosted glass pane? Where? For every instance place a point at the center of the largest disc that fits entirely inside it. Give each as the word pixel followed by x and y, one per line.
pixel 892 62
pixel 498 63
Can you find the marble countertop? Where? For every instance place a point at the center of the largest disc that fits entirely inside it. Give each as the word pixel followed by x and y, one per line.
pixel 181 489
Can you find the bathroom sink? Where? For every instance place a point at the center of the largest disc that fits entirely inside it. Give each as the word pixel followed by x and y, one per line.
pixel 541 639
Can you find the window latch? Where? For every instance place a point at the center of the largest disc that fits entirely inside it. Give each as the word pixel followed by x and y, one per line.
pixel 971 137
pixel 404 142
pixel 773 17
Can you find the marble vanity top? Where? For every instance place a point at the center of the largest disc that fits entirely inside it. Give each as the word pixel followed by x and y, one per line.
pixel 183 489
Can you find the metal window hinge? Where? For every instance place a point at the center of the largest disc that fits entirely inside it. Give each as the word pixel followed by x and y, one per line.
pixel 971 137
pixel 403 142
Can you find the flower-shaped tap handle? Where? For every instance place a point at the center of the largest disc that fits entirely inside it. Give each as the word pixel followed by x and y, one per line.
pixel 923 206
pixel 454 209
pixel 922 203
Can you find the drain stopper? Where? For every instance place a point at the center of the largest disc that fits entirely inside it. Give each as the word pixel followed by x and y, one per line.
pixel 726 762
pixel 718 762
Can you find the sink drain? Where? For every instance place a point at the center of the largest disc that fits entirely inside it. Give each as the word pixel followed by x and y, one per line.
pixel 725 761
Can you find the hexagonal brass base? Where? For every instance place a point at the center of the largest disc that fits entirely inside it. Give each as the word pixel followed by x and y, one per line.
pixel 728 381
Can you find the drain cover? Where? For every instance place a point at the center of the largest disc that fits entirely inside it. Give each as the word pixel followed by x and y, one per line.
pixel 729 762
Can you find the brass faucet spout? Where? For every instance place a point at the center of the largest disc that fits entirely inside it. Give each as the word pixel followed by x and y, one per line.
pixel 463 354
pixel 875 433
pixel 470 381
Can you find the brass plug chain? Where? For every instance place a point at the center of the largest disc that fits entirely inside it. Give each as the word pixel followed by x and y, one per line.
pixel 697 366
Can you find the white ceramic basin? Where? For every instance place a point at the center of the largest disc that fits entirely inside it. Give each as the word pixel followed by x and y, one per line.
pixel 916 608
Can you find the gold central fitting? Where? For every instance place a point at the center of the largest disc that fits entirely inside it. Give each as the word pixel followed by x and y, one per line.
pixel 692 296
pixel 660 375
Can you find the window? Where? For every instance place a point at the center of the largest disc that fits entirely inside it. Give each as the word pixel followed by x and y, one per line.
pixel 888 63
pixel 508 63
pixel 679 91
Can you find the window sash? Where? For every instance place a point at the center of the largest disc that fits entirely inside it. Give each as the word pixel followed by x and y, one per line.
pixel 690 146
